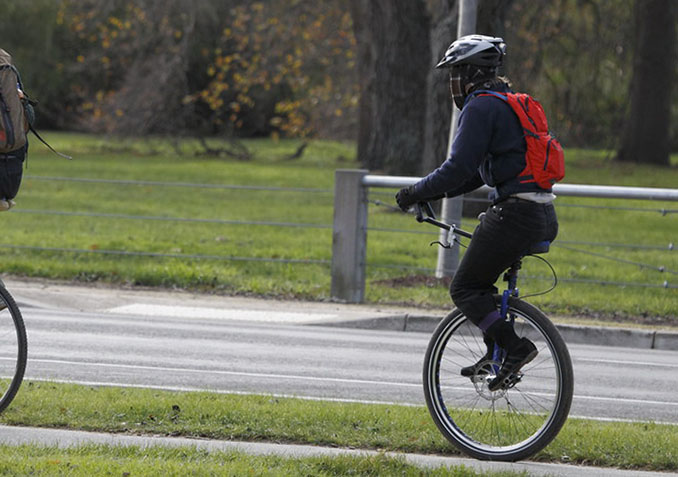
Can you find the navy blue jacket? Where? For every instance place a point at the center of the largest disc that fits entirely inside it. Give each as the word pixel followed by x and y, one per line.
pixel 488 148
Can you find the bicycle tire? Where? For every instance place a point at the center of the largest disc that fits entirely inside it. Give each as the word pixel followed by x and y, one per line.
pixel 486 432
pixel 13 348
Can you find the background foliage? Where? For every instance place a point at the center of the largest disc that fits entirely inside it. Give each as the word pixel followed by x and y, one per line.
pixel 286 67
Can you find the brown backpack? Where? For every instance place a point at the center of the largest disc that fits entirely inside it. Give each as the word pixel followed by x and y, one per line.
pixel 13 122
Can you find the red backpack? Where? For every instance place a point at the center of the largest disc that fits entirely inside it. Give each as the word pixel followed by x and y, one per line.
pixel 544 159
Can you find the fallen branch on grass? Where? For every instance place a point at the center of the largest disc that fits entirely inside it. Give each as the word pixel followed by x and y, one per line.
pixel 235 150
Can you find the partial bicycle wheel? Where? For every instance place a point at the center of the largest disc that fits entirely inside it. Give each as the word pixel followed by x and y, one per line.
pixel 13 348
pixel 508 424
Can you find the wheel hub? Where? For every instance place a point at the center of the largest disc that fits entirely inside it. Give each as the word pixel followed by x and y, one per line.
pixel 485 373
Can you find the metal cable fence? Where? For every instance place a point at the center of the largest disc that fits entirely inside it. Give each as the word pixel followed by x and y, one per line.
pixel 173 219
pixel 379 199
pixel 175 184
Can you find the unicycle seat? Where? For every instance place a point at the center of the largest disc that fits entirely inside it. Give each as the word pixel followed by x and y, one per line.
pixel 539 247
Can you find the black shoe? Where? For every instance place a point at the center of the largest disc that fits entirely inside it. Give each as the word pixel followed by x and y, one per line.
pixel 470 371
pixel 516 358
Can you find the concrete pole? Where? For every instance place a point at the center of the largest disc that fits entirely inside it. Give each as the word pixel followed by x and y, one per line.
pixel 448 259
pixel 349 236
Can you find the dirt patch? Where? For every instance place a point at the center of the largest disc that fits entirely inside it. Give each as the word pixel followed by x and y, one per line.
pixel 584 314
pixel 620 318
pixel 414 281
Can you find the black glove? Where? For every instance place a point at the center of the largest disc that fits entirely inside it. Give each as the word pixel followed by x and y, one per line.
pixel 406 197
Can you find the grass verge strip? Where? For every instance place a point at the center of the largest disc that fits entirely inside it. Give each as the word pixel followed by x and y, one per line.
pixel 133 461
pixel 262 418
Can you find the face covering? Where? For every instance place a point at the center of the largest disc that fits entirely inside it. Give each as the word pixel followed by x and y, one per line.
pixel 456 88
pixel 466 78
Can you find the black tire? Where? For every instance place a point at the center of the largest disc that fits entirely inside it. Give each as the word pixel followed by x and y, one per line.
pixel 13 348
pixel 489 425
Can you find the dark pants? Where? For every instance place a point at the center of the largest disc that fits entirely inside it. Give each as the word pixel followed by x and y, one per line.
pixel 507 230
pixel 11 171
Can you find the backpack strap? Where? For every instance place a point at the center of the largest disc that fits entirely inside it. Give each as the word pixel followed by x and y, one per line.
pixel 520 108
pixel 486 92
pixel 45 143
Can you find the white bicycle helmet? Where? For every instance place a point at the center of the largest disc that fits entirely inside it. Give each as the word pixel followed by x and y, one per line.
pixel 480 50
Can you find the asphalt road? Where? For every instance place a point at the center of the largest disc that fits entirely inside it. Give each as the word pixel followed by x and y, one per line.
pixel 142 346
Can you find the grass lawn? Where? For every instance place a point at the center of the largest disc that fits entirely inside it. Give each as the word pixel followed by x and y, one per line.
pixel 266 418
pixel 92 460
pixel 74 221
pixel 133 461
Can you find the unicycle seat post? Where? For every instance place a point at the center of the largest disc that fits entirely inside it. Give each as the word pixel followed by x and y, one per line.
pixel 510 276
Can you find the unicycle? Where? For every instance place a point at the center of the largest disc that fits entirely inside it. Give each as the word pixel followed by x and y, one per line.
pixel 13 348
pixel 530 407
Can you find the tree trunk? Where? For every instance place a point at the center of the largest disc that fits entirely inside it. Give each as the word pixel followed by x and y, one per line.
pixel 492 17
pixel 365 68
pixel 393 63
pixel 492 21
pixel 439 103
pixel 645 135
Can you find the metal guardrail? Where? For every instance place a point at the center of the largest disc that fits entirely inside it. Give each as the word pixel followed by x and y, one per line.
pixel 349 238
pixel 568 190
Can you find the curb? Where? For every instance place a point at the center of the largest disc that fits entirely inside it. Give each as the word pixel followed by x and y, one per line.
pixel 32 293
pixel 17 435
pixel 579 334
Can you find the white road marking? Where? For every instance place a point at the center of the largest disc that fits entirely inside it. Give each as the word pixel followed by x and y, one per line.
pixel 313 378
pixel 221 372
pixel 626 363
pixel 145 309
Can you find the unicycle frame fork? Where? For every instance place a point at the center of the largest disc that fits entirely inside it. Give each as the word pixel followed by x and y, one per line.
pixel 511 277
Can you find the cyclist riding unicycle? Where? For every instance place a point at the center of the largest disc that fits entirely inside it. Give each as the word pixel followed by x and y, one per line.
pixel 502 140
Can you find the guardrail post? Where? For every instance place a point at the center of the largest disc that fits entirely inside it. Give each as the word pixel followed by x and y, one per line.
pixel 349 236
pixel 448 258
